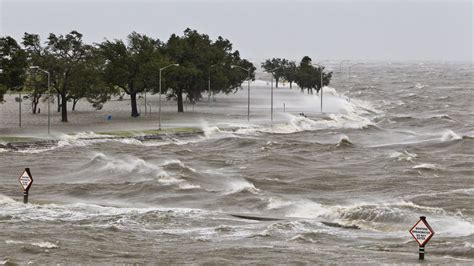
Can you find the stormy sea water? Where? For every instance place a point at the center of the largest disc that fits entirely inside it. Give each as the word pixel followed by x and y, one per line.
pixel 395 142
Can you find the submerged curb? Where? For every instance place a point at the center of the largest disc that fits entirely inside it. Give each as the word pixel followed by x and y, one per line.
pixel 142 136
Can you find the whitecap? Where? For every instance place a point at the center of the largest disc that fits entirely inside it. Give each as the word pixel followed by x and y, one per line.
pixel 276 203
pixel 344 141
pixel 426 166
pixel 45 244
pixel 449 135
pixel 240 185
pixel 404 156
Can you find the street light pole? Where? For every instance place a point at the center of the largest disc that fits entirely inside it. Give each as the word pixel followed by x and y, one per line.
pixel 49 93
pixel 248 98
pixel 209 84
pixel 159 99
pixel 49 102
pixel 271 89
pixel 248 89
pixel 321 84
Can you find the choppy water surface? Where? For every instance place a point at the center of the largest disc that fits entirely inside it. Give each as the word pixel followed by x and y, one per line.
pixel 342 187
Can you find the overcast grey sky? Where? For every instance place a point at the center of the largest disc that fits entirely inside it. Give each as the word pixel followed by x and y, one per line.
pixel 357 30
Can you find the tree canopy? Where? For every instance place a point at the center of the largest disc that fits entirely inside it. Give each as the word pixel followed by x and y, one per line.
pixel 308 77
pixel 277 67
pixel 13 63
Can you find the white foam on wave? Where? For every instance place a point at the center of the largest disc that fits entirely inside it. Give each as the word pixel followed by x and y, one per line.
pixel 344 141
pixel 451 226
pixel 387 216
pixel 45 244
pixel 179 163
pixel 80 139
pixel 276 203
pixel 186 186
pixel 240 185
pixel 449 135
pixel 426 166
pixel 6 200
pixel 129 169
pixel 82 211
pixel 344 113
pixel 120 165
pixel 309 209
pixel 404 156
pixel 420 86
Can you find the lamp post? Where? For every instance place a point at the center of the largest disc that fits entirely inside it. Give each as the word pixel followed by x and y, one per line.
pixel 159 99
pixel 248 93
pixel 271 89
pixel 350 69
pixel 321 84
pixel 209 83
pixel 37 68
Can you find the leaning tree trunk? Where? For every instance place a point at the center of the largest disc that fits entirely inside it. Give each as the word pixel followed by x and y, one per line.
pixel 276 82
pixel 63 107
pixel 133 102
pixel 291 85
pixel 59 102
pixel 34 105
pixel 180 101
pixel 74 102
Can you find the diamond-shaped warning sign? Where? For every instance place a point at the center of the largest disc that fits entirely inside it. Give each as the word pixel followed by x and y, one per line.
pixel 422 232
pixel 26 179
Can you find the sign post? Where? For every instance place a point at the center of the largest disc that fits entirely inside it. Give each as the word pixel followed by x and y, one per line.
pixel 422 233
pixel 26 180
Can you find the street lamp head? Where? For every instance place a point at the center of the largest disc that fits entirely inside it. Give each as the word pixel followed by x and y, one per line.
pixel 176 64
pixel 34 67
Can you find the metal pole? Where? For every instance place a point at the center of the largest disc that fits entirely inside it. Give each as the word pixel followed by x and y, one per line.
pixel 248 100
pixel 49 102
pixel 145 103
pixel 159 106
pixel 19 107
pixel 271 99
pixel 421 253
pixel 321 90
pixel 209 89
pixel 25 197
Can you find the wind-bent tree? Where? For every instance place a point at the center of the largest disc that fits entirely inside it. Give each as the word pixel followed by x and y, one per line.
pixel 35 86
pixel 196 53
pixel 36 83
pixel 132 67
pixel 65 56
pixel 277 67
pixel 91 84
pixel 309 77
pixel 13 64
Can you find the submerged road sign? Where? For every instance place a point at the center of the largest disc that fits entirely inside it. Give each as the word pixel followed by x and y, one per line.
pixel 422 231
pixel 26 180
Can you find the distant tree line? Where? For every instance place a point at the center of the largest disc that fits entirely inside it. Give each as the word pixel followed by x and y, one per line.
pixel 96 72
pixel 306 75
